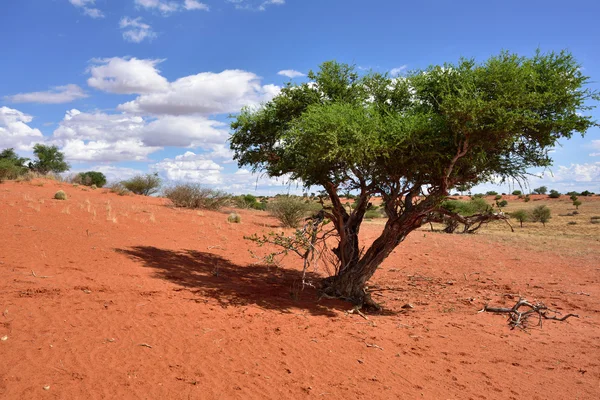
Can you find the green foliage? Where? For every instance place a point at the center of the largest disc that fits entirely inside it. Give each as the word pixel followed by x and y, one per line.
pixel 491 193
pixel 541 214
pixel 587 193
pixel 467 208
pixel 60 195
pixel 410 129
pixel 234 218
pixel 527 199
pixel 189 195
pixel 146 185
pixel 49 159
pixel 289 210
pixel 498 197
pixel 577 203
pixel 502 203
pixel 248 201
pixel 520 215
pixel 554 194
pixel 90 178
pixel 573 196
pixel 517 193
pixel 540 190
pixel 374 213
pixel 11 165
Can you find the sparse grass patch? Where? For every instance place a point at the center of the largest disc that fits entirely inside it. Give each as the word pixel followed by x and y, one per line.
pixel 196 196
pixel 234 218
pixel 60 195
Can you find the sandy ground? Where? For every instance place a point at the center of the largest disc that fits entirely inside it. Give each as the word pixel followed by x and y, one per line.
pixel 106 297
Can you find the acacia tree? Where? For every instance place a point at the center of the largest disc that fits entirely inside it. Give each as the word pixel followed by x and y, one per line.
pixel 49 159
pixel 410 140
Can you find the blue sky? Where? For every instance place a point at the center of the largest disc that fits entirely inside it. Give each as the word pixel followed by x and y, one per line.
pixel 124 86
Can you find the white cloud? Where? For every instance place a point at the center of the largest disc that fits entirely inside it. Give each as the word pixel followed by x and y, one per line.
pixel 204 93
pixel 190 167
pixel 135 30
pixel 577 173
pixel 194 5
pixel 290 73
pixel 184 131
pixel 105 137
pixel 397 71
pixel 15 131
pixel 167 7
pixel 57 95
pixel 87 10
pixel 255 5
pixel 126 76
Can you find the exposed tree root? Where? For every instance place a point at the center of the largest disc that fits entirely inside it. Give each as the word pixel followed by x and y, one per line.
pixel 520 319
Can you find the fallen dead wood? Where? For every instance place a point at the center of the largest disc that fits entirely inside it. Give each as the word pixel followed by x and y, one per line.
pixel 520 319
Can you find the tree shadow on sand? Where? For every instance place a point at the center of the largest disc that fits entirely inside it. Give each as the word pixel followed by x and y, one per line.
pixel 209 275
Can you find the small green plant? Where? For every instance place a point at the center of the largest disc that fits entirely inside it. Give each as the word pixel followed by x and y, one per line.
pixel 517 193
pixel 577 203
pixel 491 193
pixel 234 218
pixel 527 199
pixel 502 203
pixel 145 185
pixel 289 210
pixel 541 214
pixel 60 195
pixel 498 197
pixel 520 215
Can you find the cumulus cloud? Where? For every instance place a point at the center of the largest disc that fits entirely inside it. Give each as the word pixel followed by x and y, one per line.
pixel 87 7
pixel 167 7
pixel 190 167
pixel 588 172
pixel 596 146
pixel 204 93
pixel 98 136
pixel 135 31
pixel 57 95
pixel 290 73
pixel 15 131
pixel 126 76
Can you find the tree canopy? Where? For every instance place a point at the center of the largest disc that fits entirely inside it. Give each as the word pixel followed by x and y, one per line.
pixel 412 137
pixel 49 159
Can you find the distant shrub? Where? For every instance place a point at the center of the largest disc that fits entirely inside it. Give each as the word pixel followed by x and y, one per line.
pixel 554 194
pixel 520 215
pixel 527 199
pixel 571 223
pixel 491 193
pixel 90 178
pixel 587 193
pixel 146 185
pixel 60 195
pixel 11 165
pixel 577 203
pixel 373 213
pixel 234 218
pixel 540 190
pixel 517 193
pixel 289 210
pixel 541 214
pixel 190 195
pixel 466 208
pixel 119 189
pixel 498 197
pixel 502 203
pixel 247 201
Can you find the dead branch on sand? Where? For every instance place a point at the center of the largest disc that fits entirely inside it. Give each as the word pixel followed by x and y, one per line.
pixel 520 319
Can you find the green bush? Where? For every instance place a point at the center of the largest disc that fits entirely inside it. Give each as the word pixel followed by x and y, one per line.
pixel 234 218
pixel 373 213
pixel 517 193
pixel 498 197
pixel 540 190
pixel 577 203
pixel 90 178
pixel 189 195
pixel 247 201
pixel 554 194
pixel 491 193
pixel 520 215
pixel 289 210
pixel 502 203
pixel 60 195
pixel 527 199
pixel 49 159
pixel 146 185
pixel 466 208
pixel 541 214
pixel 11 165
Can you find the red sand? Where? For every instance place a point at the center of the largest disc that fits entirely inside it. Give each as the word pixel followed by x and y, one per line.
pixel 162 303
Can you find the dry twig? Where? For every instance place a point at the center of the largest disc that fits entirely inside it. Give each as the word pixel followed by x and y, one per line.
pixel 520 319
